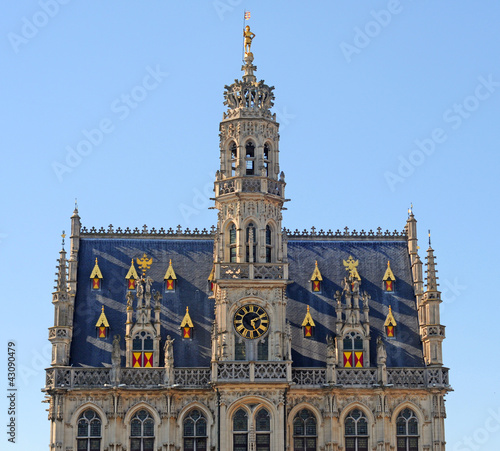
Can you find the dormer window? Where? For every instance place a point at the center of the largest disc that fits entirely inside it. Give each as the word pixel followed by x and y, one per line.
pixel 132 277
pixel 187 326
pixel 389 279
pixel 250 158
pixel 308 325
pixel 102 325
pixel 390 325
pixel 353 351
pixel 316 279
pixel 96 277
pixel 142 350
pixel 170 278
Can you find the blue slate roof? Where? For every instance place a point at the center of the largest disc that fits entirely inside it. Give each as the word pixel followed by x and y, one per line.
pixel 192 263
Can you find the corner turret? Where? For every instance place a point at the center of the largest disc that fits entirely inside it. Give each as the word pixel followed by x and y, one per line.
pixel 433 333
pixel 60 334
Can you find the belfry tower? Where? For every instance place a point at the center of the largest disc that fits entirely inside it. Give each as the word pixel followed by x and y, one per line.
pixel 250 263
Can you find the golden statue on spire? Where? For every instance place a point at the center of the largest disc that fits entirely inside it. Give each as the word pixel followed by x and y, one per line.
pixel 248 35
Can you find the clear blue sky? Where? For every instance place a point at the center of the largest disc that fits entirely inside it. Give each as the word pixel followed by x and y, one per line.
pixel 381 104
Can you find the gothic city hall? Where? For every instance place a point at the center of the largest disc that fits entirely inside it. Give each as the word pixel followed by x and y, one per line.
pixel 246 335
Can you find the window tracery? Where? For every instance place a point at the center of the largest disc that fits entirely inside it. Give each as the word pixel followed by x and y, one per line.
pixel 407 431
pixel 304 431
pixel 263 430
pixel 356 431
pixel 89 431
pixel 240 431
pixel 142 431
pixel 195 431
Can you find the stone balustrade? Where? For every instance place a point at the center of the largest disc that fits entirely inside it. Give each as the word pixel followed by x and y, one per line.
pixel 256 271
pixel 237 372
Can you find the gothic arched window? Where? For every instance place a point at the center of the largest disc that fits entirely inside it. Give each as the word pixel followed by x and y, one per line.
pixel 240 431
pixel 142 432
pixel 142 350
pixel 195 431
pixel 356 431
pixel 233 154
pixel 251 243
pixel 269 244
pixel 304 431
pixel 263 430
pixel 407 431
pixel 267 158
pixel 232 243
pixel 89 431
pixel 353 351
pixel 250 158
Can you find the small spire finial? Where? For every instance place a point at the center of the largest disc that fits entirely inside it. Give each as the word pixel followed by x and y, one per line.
pixel 429 237
pixel 76 204
pixel 63 235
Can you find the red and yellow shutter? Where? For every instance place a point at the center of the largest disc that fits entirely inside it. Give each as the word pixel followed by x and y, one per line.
pixel 147 360
pixel 358 359
pixel 347 359
pixel 137 359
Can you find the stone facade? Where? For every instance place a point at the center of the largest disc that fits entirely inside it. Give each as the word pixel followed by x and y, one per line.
pixel 240 364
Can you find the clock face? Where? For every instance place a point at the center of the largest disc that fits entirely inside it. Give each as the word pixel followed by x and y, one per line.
pixel 251 321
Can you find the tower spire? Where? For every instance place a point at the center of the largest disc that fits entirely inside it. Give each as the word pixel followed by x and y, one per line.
pixel 62 279
pixel 431 268
pixel 433 333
